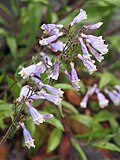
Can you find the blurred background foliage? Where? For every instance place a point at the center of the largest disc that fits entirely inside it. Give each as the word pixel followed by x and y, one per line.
pixel 20 22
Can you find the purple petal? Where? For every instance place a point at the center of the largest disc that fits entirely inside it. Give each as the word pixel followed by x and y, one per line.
pixel 81 16
pixel 94 26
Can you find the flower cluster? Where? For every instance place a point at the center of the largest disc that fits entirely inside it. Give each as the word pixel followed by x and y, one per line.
pixel 113 95
pixel 89 43
pixel 38 89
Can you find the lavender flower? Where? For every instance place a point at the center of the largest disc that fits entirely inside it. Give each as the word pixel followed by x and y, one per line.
pixel 97 55
pixel 73 78
pixel 55 73
pixel 84 101
pixel 51 89
pixel 52 98
pixel 46 59
pixel 94 26
pixel 88 63
pixel 92 89
pixel 113 97
pixel 29 142
pixel 46 41
pixel 53 32
pixel 81 16
pixel 89 93
pixel 25 92
pixel 37 117
pixel 96 42
pixel 34 69
pixel 84 49
pixel 57 46
pixel 103 102
pixel 118 88
pixel 51 27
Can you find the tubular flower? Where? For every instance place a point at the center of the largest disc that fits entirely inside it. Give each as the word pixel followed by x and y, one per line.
pixel 52 98
pixel 49 28
pixel 118 88
pixel 84 101
pixel 73 78
pixel 103 102
pixel 37 117
pixel 26 92
pixel 81 16
pixel 29 142
pixel 34 69
pixel 113 97
pixel 84 48
pixel 92 89
pixel 57 46
pixel 46 41
pixel 97 55
pixel 96 42
pixel 46 59
pixel 88 63
pixel 51 89
pixel 89 93
pixel 55 73
pixel 94 26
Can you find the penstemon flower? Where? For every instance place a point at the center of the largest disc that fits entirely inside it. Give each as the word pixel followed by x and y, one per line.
pixel 29 142
pixel 97 55
pixel 103 102
pixel 50 97
pixel 46 60
pixel 96 42
pixel 37 117
pixel 88 63
pixel 46 41
pixel 89 93
pixel 55 91
pixel 73 78
pixel 117 87
pixel 113 97
pixel 83 103
pixel 93 26
pixel 48 28
pixel 34 69
pixel 84 48
pixel 55 73
pixel 81 16
pixel 57 46
pixel 25 92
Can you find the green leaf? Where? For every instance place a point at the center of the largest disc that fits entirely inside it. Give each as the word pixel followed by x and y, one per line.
pixel 115 41
pixel 106 145
pixel 78 149
pixel 84 119
pixel 6 110
pixel 115 2
pixel 63 86
pixel 69 106
pixel 14 86
pixel 54 139
pixel 37 1
pixel 12 44
pixel 55 122
pixel 14 5
pixel 108 78
pixel 103 116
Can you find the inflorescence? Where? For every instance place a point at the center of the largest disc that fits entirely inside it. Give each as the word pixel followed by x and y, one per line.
pixel 90 45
